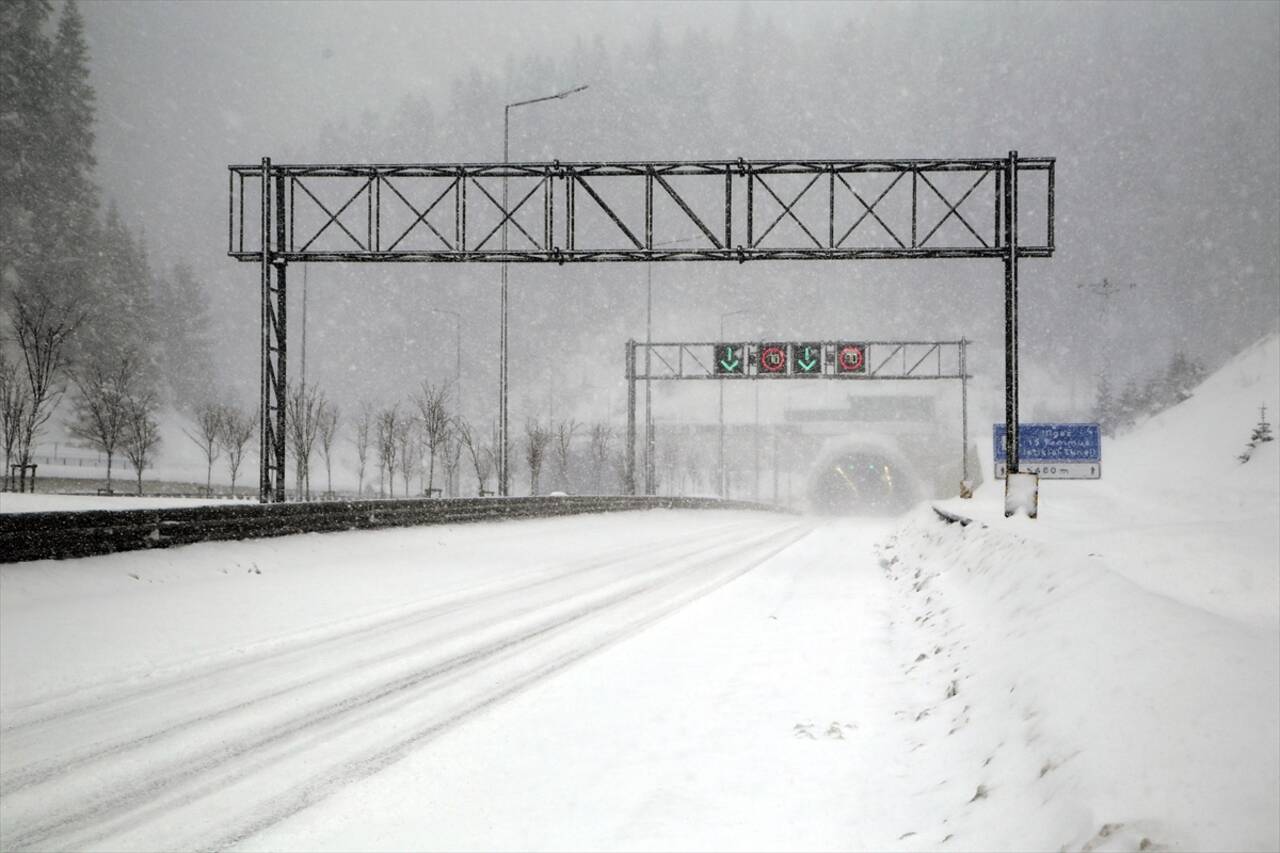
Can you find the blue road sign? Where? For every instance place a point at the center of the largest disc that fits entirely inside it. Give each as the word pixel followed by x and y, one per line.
pixel 1063 451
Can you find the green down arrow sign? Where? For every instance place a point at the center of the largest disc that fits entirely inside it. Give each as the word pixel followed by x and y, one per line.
pixel 807 359
pixel 728 359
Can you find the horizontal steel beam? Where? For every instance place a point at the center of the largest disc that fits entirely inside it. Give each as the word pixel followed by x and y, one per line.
pixel 612 212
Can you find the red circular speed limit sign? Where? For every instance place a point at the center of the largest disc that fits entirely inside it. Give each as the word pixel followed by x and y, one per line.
pixel 850 358
pixel 773 358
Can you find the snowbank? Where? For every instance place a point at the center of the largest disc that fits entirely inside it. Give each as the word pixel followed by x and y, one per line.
pixel 41 502
pixel 1111 670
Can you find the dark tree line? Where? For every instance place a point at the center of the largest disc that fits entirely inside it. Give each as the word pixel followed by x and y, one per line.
pixel 1118 410
pixel 81 306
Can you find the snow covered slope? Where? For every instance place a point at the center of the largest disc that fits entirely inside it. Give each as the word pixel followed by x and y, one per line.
pixel 1116 662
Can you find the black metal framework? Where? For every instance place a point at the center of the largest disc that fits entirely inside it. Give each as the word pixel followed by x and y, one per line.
pixel 885 360
pixel 733 210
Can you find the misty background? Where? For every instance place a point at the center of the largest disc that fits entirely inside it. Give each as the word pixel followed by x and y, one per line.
pixel 1164 119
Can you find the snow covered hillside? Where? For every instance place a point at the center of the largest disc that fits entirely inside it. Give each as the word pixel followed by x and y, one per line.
pixel 1116 662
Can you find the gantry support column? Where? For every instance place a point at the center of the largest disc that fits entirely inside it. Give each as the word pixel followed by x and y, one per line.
pixel 271 482
pixel 630 452
pixel 1010 199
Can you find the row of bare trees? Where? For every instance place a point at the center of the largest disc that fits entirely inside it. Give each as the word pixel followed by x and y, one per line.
pixel 222 428
pixel 32 384
pixel 424 437
pixel 113 405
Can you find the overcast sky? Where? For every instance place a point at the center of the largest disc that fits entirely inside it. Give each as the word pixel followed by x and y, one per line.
pixel 1164 119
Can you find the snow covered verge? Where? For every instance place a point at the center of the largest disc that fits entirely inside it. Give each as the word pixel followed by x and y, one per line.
pixel 41 502
pixel 1108 675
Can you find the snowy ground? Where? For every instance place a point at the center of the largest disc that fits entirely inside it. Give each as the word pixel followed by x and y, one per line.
pixel 1106 677
pixel 41 502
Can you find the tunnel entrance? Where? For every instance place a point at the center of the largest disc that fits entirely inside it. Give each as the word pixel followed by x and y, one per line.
pixel 863 481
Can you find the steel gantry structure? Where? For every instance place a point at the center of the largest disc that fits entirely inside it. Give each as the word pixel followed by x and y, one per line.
pixel 730 210
pixel 876 361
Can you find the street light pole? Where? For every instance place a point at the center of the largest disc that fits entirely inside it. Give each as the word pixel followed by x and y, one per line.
pixel 724 488
pixel 649 448
pixel 503 468
pixel 457 345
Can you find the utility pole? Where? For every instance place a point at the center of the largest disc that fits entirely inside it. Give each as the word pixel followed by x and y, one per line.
pixel 503 441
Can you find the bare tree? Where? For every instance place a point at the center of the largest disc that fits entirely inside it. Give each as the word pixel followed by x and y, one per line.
pixel 14 399
pixel 452 459
pixel 536 437
pixel 42 327
pixel 564 441
pixel 142 433
pixel 236 430
pixel 102 404
pixel 601 439
pixel 481 456
pixel 387 423
pixel 208 423
pixel 433 410
pixel 669 453
pixel 407 451
pixel 301 407
pixel 327 430
pixel 361 438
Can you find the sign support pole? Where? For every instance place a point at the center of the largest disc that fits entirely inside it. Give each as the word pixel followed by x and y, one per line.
pixel 630 461
pixel 266 437
pixel 1011 310
pixel 966 490
pixel 271 434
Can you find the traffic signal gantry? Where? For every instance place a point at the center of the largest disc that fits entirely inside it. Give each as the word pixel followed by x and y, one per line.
pixel 776 361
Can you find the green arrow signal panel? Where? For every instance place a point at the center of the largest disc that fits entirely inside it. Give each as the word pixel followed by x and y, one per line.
pixel 806 359
pixel 731 359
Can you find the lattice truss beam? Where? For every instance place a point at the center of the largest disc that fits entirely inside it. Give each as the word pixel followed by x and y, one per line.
pixel 881 360
pixel 730 210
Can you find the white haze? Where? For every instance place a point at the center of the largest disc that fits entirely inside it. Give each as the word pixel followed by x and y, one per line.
pixel 1164 119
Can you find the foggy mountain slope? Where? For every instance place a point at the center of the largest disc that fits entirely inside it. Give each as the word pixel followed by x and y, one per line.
pixel 1138 102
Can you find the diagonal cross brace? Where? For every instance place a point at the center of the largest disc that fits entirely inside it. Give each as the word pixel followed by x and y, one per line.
pixel 333 217
pixel 870 210
pixel 952 209
pixel 508 215
pixel 421 215
pixel 786 210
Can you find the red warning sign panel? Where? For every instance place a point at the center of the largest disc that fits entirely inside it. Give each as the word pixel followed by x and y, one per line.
pixel 773 359
pixel 851 358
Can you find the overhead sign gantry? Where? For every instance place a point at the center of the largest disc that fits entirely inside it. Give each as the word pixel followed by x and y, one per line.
pixel 860 361
pixel 737 210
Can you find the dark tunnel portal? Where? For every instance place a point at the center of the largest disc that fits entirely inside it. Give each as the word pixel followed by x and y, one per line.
pixel 862 483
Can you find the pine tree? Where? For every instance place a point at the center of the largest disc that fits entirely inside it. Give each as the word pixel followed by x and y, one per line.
pixel 68 207
pixel 1104 407
pixel 1261 435
pixel 182 334
pixel 25 98
pixel 1262 432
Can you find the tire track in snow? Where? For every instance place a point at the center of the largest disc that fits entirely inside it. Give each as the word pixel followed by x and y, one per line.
pixel 90 699
pixel 153 695
pixel 190 779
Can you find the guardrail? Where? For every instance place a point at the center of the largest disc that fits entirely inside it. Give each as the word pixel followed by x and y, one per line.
pixel 952 518
pixel 57 535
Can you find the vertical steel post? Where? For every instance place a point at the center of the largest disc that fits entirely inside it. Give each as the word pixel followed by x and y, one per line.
pixel 630 461
pixel 1011 311
pixel 266 436
pixel 281 332
pixel 964 414
pixel 502 328
pixel 648 383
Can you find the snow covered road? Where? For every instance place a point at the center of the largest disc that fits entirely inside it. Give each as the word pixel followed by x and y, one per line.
pixel 227 745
